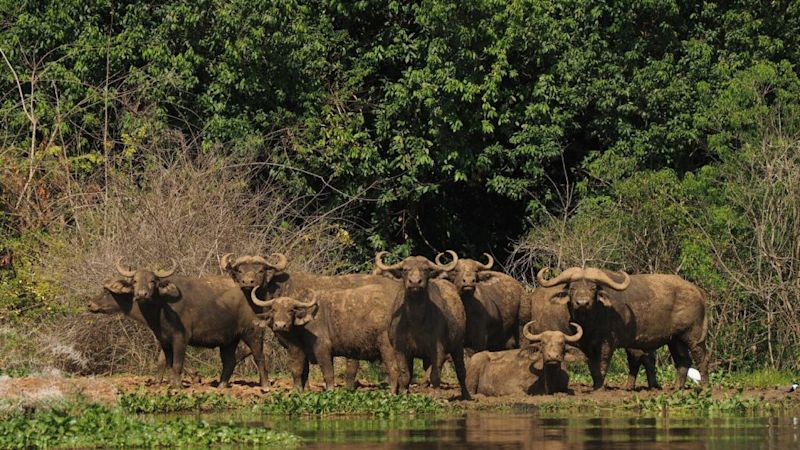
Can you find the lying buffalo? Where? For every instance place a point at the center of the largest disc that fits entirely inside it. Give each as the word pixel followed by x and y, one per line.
pixel 348 322
pixel 640 311
pixel 491 302
pixel 269 277
pixel 524 371
pixel 550 315
pixel 181 311
pixel 427 320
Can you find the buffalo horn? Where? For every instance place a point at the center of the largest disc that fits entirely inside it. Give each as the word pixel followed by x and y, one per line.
pixel 124 272
pixel 571 274
pixel 575 337
pixel 526 331
pixel 166 273
pixel 446 267
pixel 282 261
pixel 380 265
pixel 257 301
pixel 225 262
pixel 598 276
pixel 308 304
pixel 488 264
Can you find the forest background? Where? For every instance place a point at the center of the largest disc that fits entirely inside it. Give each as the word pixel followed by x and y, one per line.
pixel 649 136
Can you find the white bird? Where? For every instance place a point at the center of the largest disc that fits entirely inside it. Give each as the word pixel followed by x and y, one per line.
pixel 694 375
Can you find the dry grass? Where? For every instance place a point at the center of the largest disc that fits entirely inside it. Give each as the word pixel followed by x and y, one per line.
pixel 184 205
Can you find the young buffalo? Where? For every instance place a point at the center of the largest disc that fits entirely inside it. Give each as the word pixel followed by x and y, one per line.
pixel 339 322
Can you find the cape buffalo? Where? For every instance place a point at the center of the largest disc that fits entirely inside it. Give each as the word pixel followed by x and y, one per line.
pixel 181 311
pixel 523 371
pixel 555 316
pixel 491 302
pixel 271 280
pixel 348 322
pixel 641 311
pixel 427 320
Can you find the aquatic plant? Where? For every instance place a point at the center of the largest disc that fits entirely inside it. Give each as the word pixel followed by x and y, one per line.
pixel 97 426
pixel 375 403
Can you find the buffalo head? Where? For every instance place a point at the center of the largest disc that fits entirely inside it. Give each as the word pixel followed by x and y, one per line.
pixel 553 346
pixel 468 273
pixel 583 286
pixel 111 300
pixel 282 313
pixel 415 271
pixel 143 284
pixel 253 271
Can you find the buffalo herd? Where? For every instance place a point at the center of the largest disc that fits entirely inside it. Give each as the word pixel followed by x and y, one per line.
pixel 502 338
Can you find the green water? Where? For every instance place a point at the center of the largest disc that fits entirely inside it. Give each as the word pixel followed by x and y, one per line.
pixel 529 430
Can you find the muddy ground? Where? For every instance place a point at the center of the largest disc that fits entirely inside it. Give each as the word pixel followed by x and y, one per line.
pixel 108 389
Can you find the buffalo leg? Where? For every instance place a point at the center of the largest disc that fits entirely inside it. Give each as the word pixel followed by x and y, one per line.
pixel 255 341
pixel 461 371
pixel 594 361
pixel 435 361
pixel 405 369
pixel 322 353
pixel 162 366
pixel 178 356
pixel 681 359
pixel 700 359
pixel 389 363
pixel 298 367
pixel 649 363
pixel 351 373
pixel 634 362
pixel 228 355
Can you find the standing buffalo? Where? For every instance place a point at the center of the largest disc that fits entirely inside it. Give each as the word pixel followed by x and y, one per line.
pixel 271 280
pixel 491 302
pixel 554 316
pixel 349 322
pixel 427 320
pixel 640 312
pixel 524 371
pixel 181 311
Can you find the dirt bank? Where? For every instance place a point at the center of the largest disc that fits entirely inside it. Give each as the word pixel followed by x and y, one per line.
pixel 108 390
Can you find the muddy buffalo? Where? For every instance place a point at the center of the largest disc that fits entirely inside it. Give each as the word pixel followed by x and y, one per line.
pixel 636 311
pixel 555 316
pixel 525 371
pixel 203 312
pixel 492 304
pixel 345 322
pixel 427 320
pixel 269 277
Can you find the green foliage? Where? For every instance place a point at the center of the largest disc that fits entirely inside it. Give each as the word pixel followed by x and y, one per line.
pixel 699 402
pixel 337 402
pixel 144 401
pixel 96 426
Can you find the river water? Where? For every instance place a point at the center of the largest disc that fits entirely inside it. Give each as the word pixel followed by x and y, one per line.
pixel 529 430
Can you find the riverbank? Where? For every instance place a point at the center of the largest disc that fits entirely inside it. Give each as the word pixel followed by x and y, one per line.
pixel 204 395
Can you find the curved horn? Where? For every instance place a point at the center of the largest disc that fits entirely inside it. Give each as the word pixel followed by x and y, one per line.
pixel 308 304
pixel 566 276
pixel 166 273
pixel 438 259
pixel 447 267
pixel 283 261
pixel 124 272
pixel 530 336
pixel 575 337
pixel 257 301
pixel 601 277
pixel 225 262
pixel 380 265
pixel 488 264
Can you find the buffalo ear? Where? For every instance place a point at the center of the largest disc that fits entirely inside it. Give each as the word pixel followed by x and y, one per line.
pixel 449 276
pixel 573 354
pixel 119 286
pixel 304 315
pixel 168 289
pixel 265 318
pixel 560 299
pixel 485 276
pixel 603 298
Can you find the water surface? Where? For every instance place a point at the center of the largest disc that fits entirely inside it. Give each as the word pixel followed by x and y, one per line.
pixel 530 430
